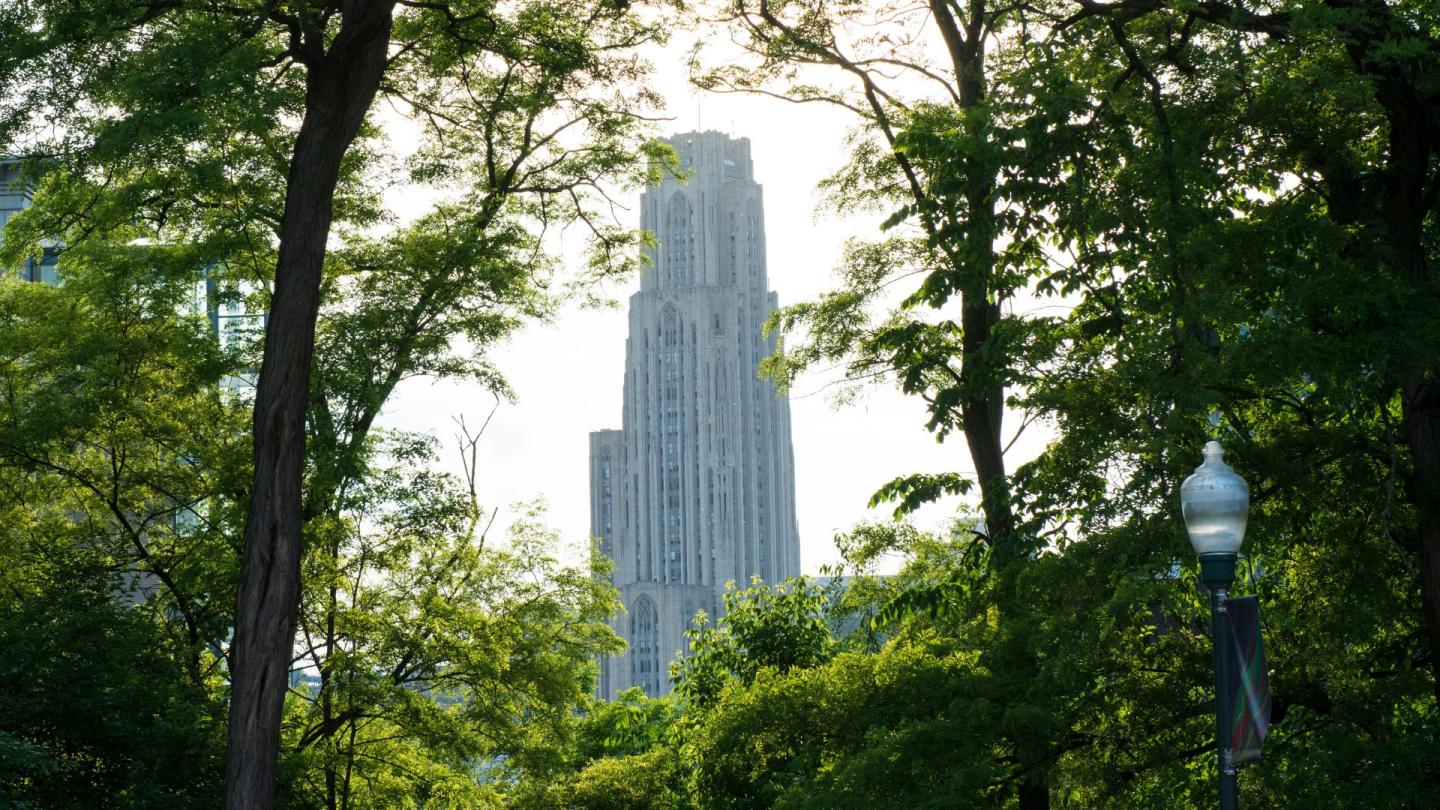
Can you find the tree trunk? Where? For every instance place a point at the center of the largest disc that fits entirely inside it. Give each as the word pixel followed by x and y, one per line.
pixel 340 87
pixel 1033 794
pixel 1404 206
pixel 1421 406
pixel 983 409
pixel 982 412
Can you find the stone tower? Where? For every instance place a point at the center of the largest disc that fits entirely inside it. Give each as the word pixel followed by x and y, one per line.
pixel 698 487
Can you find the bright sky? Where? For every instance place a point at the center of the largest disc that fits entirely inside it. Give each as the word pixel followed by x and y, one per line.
pixel 568 374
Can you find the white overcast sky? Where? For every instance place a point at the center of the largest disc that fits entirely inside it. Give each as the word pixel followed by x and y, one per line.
pixel 568 374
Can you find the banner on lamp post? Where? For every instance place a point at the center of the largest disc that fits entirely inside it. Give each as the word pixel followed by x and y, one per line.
pixel 1249 679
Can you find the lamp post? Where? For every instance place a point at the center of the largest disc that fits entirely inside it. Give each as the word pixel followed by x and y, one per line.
pixel 1214 501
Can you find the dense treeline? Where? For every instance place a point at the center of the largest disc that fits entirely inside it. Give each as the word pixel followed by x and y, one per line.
pixel 149 449
pixel 1138 224
pixel 1232 205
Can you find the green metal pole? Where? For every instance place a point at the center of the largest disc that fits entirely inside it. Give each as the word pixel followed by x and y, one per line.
pixel 1218 573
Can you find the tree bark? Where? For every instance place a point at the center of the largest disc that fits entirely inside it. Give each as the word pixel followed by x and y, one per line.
pixel 340 86
pixel 1033 793
pixel 1421 407
pixel 1405 203
pixel 983 410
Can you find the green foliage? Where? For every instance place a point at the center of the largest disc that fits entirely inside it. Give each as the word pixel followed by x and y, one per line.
pixel 913 491
pixel 1197 221
pixel 619 754
pixel 633 723
pixel 899 727
pixel 766 627
pixel 947 709
pixel 645 781
pixel 448 664
pixel 445 662
pixel 1141 224
pixel 436 649
pixel 96 709
pixel 118 456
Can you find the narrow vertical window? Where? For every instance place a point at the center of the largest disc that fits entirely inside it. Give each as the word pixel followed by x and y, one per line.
pixel 678 244
pixel 645 646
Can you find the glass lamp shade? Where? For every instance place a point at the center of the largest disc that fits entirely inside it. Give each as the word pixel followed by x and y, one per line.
pixel 1215 501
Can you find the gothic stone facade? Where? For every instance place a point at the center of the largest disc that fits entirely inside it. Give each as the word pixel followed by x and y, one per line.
pixel 698 488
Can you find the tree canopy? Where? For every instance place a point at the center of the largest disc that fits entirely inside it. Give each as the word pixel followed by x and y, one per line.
pixel 247 128
pixel 1134 225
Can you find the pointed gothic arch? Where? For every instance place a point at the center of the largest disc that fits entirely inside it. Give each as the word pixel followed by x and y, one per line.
pixel 678 243
pixel 645 645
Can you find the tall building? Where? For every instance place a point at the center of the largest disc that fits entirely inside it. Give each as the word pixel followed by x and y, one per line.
pixel 697 488
pixel 14 190
pixel 229 318
pixel 15 195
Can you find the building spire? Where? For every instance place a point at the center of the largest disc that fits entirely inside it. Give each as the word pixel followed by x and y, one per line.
pixel 697 487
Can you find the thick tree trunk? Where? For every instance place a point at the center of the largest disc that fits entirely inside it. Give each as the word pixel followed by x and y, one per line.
pixel 1421 404
pixel 1034 794
pixel 341 85
pixel 1404 206
pixel 981 417
pixel 982 412
pixel 1403 209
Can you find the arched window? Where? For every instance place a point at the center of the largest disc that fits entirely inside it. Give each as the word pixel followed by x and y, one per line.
pixel 670 331
pixel 645 646
pixel 677 246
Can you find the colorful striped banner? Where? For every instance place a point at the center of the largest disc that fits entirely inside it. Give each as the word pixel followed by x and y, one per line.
pixel 1249 679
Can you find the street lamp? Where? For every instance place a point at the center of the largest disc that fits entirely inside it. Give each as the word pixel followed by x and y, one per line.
pixel 1214 501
